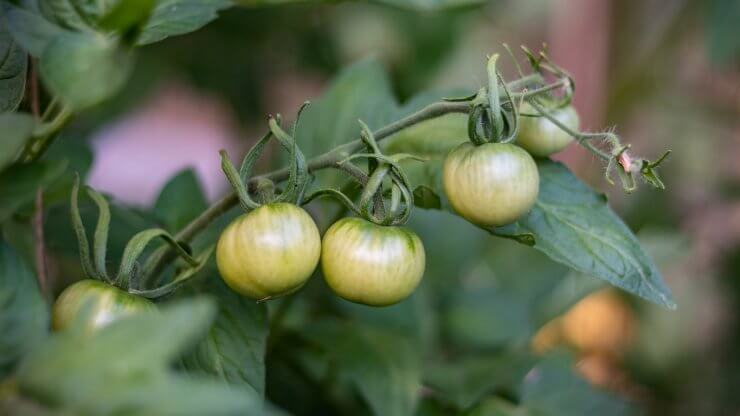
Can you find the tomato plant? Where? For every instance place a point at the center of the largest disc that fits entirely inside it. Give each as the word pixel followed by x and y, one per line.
pixel 418 308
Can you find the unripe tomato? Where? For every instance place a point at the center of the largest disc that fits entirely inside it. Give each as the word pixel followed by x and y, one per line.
pixel 100 302
pixel 540 136
pixel 269 252
pixel 492 184
pixel 371 264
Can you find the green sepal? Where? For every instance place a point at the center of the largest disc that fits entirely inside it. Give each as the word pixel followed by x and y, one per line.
pixel 100 240
pixel 135 247
pixel 79 228
pixel 180 278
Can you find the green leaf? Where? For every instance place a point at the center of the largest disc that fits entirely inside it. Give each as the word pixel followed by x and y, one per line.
pixel 180 200
pixel 234 349
pixel 383 366
pixel 13 62
pixel 77 15
pixel 574 226
pixel 465 382
pixel 177 17
pixel 553 389
pixel 20 182
pixel 496 406
pixel 30 29
pixel 17 129
pixel 24 315
pixel 125 368
pixel 425 197
pixel 84 69
pixel 360 92
pixel 126 15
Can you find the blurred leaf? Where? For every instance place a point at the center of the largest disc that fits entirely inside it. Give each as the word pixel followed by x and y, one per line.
pixel 552 389
pixel 425 197
pixel 383 366
pixel 573 225
pixel 361 91
pixel 20 182
pixel 78 15
pixel 496 406
pixel 721 27
pixel 496 302
pixel 126 15
pixel 180 200
pixel 177 17
pixel 13 62
pixel 84 69
pixel 465 382
pixel 30 29
pixel 24 315
pixel 17 129
pixel 234 349
pixel 124 368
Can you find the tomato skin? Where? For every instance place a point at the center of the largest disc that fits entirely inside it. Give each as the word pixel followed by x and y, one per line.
pixel 270 251
pixel 539 136
pixel 371 264
pixel 492 184
pixel 102 302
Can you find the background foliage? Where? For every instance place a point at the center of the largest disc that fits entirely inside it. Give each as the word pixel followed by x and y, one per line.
pixel 473 339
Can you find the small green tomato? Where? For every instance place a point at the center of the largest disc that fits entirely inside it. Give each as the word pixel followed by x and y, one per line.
pixel 371 264
pixel 269 252
pixel 492 184
pixel 540 136
pixel 100 302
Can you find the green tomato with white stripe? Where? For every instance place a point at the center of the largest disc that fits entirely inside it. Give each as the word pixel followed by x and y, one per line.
pixel 371 264
pixel 492 184
pixel 269 252
pixel 94 304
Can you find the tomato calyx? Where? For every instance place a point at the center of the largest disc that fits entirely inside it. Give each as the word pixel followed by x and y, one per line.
pixel 372 205
pixel 131 277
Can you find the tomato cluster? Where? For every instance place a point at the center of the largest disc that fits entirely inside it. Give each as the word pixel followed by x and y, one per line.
pixel 274 249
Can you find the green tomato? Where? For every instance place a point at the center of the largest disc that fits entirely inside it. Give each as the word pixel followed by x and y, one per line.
pixel 371 264
pixel 540 136
pixel 100 303
pixel 492 184
pixel 269 252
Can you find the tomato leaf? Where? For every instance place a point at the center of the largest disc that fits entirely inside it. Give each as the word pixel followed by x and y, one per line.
pixel 553 389
pixel 361 91
pixel 177 17
pixel 29 28
pixel 125 368
pixel 17 129
pixel 383 366
pixel 234 348
pixel 84 69
pixel 463 383
pixel 573 225
pixel 180 200
pixel 20 182
pixel 24 315
pixel 13 62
